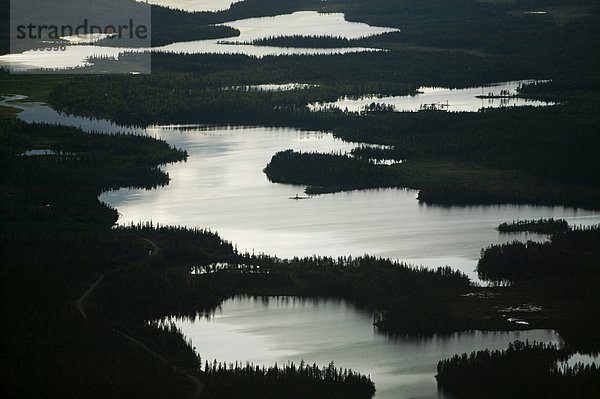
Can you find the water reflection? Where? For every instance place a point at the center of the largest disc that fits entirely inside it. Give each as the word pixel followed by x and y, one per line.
pixel 34 112
pixel 495 95
pixel 305 23
pixel 298 23
pixel 222 187
pixel 581 359
pixel 280 329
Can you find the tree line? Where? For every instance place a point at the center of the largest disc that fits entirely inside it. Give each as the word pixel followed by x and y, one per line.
pixel 55 239
pixel 93 164
pixel 381 285
pixel 523 370
pixel 329 172
pixel 290 381
pixel 563 270
pixel 568 252
pixel 543 226
pixel 442 182
pixel 528 141
pixel 316 41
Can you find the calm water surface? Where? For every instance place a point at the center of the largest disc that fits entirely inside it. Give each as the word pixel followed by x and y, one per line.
pixel 298 23
pixel 269 330
pixel 34 112
pixel 222 187
pixel 454 100
pixel 306 23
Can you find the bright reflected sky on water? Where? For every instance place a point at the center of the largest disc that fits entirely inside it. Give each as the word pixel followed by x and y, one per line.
pixel 452 100
pixel 265 331
pixel 222 187
pixel 302 22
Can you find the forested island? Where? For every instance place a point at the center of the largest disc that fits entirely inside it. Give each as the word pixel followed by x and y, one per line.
pixel 329 172
pixel 524 369
pixel 83 298
pixel 444 181
pixel 536 169
pixel 544 226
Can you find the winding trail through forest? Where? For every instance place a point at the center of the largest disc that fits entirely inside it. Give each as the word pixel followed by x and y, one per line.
pixel 86 294
pixel 195 380
pixel 155 248
pixel 80 305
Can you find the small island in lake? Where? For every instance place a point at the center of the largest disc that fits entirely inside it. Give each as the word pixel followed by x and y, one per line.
pixel 542 226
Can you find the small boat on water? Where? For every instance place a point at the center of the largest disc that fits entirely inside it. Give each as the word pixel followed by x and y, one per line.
pixel 297 197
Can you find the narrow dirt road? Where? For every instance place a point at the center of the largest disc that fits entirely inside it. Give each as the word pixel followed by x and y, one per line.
pixel 80 305
pixel 80 302
pixel 155 248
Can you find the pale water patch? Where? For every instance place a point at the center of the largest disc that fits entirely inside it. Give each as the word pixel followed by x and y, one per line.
pixel 222 187
pixel 298 23
pixel 81 55
pixel 35 112
pixel 472 99
pixel 581 358
pixel 218 47
pixel 305 23
pixel 68 57
pixel 90 38
pixel 282 329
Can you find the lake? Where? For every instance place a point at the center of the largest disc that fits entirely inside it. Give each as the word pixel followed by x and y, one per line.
pixel 305 23
pixel 453 100
pixel 222 187
pixel 282 329
pixel 298 23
